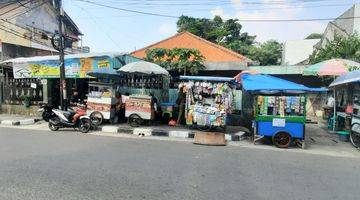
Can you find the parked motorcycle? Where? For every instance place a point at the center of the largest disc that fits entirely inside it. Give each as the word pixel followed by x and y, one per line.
pixel 70 119
pixel 46 112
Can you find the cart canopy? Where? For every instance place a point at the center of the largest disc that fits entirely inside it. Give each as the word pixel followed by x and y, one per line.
pixel 350 77
pixel 104 73
pixel 207 78
pixel 261 83
pixel 143 67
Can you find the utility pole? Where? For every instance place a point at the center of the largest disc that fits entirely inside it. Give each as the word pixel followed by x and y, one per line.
pixel 63 95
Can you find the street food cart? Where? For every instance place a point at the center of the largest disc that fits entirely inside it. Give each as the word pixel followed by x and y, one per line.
pixel 148 77
pixel 101 102
pixel 279 108
pixel 208 100
pixel 139 108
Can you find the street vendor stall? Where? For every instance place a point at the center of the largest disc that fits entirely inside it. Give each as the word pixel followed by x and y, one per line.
pixel 101 102
pixel 149 77
pixel 279 108
pixel 349 83
pixel 208 100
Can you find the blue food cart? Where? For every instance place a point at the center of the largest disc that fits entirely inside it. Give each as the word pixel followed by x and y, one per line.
pixel 279 108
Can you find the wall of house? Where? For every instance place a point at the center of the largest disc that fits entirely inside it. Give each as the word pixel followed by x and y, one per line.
pixel 342 27
pixel 28 23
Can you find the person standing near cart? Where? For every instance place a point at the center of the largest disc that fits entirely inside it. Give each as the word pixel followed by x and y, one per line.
pixel 118 108
pixel 181 100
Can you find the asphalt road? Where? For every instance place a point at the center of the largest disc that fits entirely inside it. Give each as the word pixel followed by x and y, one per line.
pixel 68 165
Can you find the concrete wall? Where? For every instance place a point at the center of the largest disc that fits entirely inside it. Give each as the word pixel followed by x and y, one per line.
pixel 297 51
pixel 19 110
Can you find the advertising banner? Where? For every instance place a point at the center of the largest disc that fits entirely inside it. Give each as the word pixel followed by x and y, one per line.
pixel 74 67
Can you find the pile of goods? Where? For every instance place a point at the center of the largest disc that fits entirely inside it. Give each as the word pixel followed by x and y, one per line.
pixel 207 103
pixel 281 105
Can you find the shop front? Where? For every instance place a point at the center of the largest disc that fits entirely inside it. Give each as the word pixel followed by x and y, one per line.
pixel 209 101
pixel 37 78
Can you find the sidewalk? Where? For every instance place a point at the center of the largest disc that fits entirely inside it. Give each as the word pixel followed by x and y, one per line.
pixel 16 120
pixel 318 139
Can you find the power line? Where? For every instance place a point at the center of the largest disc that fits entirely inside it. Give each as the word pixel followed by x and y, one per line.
pixel 128 10
pixel 15 8
pixel 243 20
pixel 18 34
pixel 94 20
pixel 212 3
pixel 295 20
pixel 23 13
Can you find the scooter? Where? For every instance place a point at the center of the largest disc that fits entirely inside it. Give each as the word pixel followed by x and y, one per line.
pixel 46 112
pixel 70 119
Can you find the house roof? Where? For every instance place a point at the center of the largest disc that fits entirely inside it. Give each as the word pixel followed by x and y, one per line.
pixel 211 51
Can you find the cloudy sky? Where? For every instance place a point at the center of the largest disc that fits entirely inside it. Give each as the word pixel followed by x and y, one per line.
pixel 107 29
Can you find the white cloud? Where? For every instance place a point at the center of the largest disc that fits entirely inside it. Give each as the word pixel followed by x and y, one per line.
pixel 167 29
pixel 281 31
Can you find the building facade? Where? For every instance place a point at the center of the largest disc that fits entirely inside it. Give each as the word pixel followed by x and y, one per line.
pixel 26 30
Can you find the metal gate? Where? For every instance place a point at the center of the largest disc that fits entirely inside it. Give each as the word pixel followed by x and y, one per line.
pixel 16 89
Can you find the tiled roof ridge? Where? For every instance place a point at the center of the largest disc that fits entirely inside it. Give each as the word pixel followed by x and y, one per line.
pixel 198 38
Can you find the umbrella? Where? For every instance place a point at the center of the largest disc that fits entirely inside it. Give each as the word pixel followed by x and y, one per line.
pixel 144 68
pixel 333 67
pixel 350 77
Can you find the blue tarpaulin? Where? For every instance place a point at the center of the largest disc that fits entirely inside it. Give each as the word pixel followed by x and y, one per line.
pixel 350 77
pixel 262 83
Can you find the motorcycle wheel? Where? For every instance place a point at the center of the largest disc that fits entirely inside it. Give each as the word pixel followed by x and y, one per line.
pixel 355 135
pixel 96 118
pixel 52 126
pixel 84 125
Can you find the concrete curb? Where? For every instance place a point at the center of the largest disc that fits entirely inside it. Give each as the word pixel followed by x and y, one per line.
pixel 160 132
pixel 10 122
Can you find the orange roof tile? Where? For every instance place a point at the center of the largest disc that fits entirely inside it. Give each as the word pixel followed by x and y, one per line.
pixel 211 51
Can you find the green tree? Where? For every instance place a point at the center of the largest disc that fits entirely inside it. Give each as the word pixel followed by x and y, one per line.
pixel 340 47
pixel 226 33
pixel 180 59
pixel 267 53
pixel 314 36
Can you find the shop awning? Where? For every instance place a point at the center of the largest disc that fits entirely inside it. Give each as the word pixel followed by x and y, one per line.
pixel 350 77
pixel 260 83
pixel 207 78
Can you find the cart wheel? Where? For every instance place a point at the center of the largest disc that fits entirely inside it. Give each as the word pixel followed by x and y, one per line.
pixel 96 118
pixel 282 139
pixel 135 120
